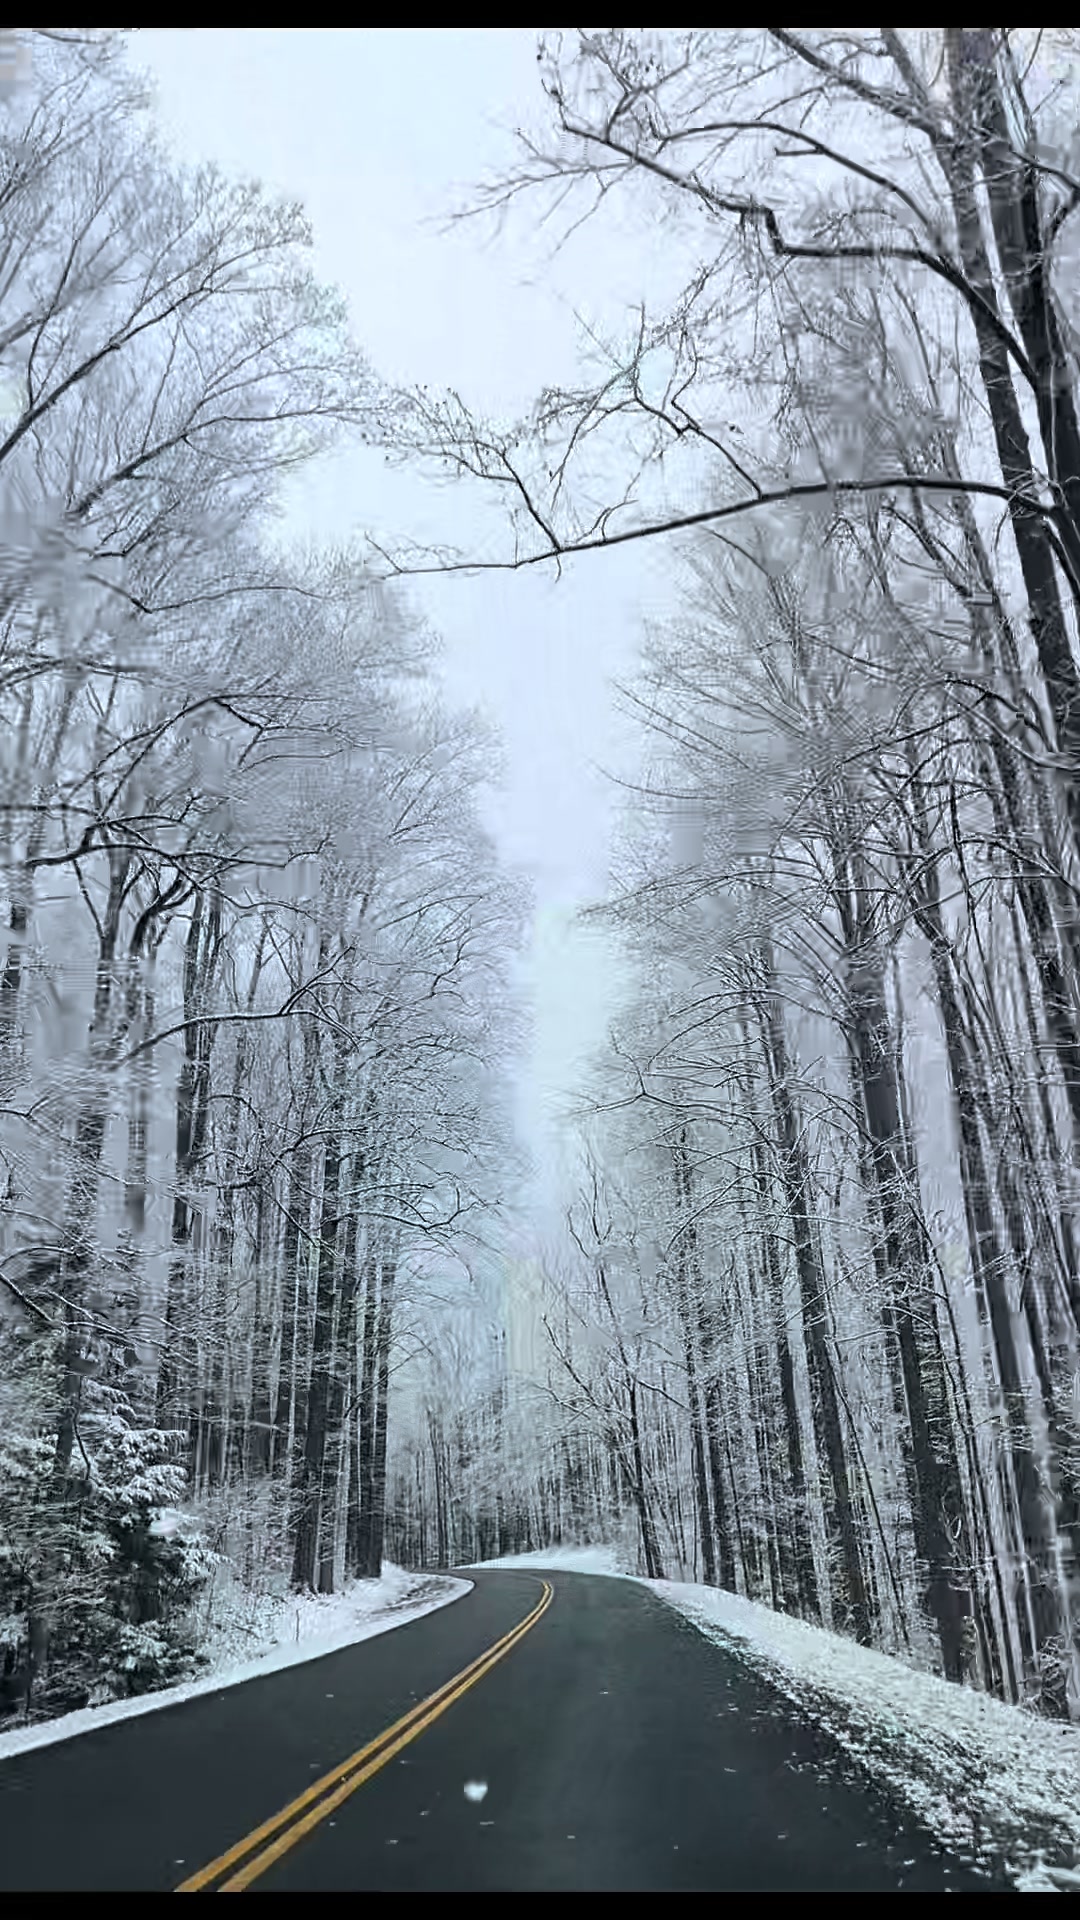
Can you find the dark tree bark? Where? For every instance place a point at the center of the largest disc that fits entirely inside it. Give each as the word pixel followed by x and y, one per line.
pixel 308 1483
pixel 366 1414
pixel 851 1599
pixel 177 1369
pixel 935 1483
pixel 989 1268
pixel 808 1602
pixel 693 1395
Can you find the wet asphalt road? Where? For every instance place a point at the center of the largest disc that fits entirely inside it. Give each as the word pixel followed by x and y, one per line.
pixel 610 1748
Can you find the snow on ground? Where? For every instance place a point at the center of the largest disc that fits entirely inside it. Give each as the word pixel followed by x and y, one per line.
pixel 575 1559
pixel 291 1630
pixel 996 1784
pixel 992 1781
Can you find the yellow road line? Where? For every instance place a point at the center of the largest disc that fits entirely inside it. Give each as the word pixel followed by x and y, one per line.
pixel 284 1829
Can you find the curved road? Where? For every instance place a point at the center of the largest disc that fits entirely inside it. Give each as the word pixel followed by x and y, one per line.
pixel 605 1746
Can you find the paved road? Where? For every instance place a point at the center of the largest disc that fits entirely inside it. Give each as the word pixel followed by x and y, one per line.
pixel 610 1747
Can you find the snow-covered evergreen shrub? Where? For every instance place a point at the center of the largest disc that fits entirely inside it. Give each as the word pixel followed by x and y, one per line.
pixel 98 1575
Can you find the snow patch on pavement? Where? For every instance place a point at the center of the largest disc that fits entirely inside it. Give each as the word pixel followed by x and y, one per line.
pixel 294 1629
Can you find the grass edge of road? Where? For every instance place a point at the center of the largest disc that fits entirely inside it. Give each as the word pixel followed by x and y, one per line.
pixel 273 1658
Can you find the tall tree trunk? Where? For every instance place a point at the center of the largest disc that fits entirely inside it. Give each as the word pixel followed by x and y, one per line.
pixel 365 1413
pixel 308 1482
pixel 714 1412
pixel 382 1408
pixel 1038 566
pixel 935 1481
pixel 106 1031
pixel 441 1546
pixel 290 1400
pixel 337 1461
pixel 850 1597
pixel 177 1367
pixel 260 1419
pixel 697 1431
pixel 989 1268
pixel 798 1506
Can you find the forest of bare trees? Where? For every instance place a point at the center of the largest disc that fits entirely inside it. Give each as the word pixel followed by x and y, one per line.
pixel 253 926
pixel 818 1306
pixel 808 1328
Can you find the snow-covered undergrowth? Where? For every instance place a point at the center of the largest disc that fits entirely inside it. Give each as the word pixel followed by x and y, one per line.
pixel 248 1635
pixel 996 1784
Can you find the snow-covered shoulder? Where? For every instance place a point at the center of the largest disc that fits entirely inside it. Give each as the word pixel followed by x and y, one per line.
pixel 302 1627
pixel 993 1782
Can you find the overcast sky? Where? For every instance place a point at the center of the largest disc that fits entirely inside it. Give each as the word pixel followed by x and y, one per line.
pixel 381 134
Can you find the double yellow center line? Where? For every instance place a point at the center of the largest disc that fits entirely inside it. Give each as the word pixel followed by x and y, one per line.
pixel 264 1845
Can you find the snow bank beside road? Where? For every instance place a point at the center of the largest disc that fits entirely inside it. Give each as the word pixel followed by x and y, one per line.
pixel 994 1783
pixel 294 1629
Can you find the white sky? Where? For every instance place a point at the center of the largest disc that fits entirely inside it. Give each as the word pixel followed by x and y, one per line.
pixel 381 134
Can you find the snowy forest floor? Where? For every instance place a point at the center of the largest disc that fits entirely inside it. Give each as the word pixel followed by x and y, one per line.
pixel 248 1634
pixel 995 1784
